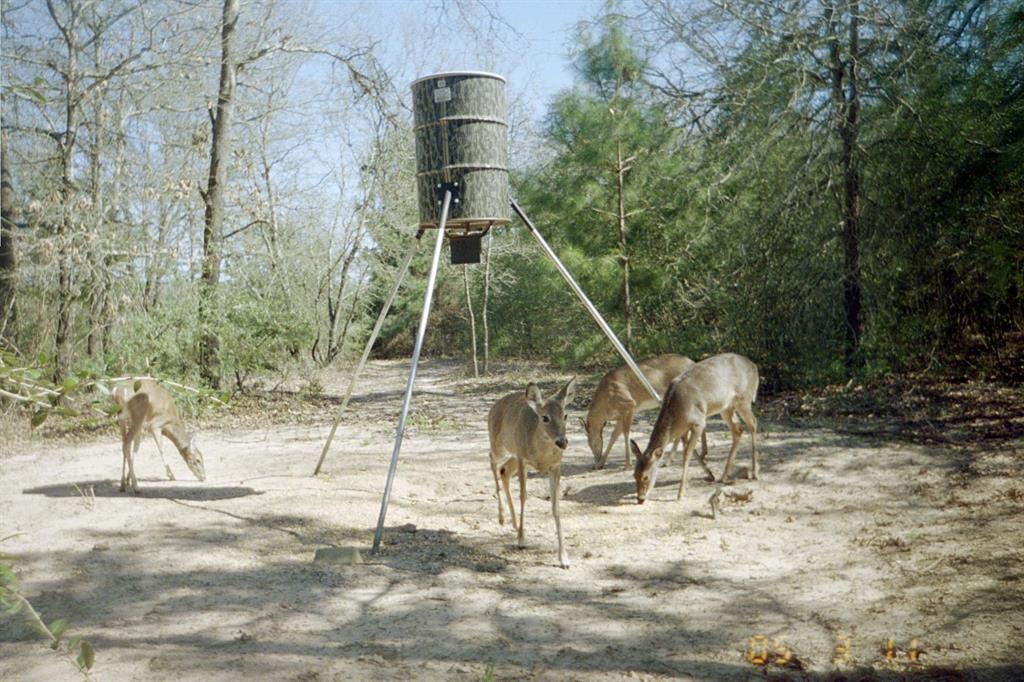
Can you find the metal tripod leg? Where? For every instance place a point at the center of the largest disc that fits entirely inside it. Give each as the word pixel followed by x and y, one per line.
pixel 420 333
pixel 586 301
pixel 402 271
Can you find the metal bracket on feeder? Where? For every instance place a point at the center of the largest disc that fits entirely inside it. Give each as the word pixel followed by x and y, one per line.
pixel 464 249
pixel 452 187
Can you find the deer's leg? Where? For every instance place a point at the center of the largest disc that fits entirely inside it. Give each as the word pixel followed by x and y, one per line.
pixel 748 416
pixel 160 449
pixel 126 445
pixel 666 460
pixel 507 469
pixel 134 450
pixel 555 488
pixel 521 466
pixel 137 408
pixel 737 432
pixel 708 474
pixel 616 431
pixel 497 486
pixel 696 431
pixel 627 424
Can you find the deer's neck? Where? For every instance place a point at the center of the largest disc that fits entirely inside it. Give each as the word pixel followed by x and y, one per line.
pixel 602 408
pixel 177 434
pixel 664 425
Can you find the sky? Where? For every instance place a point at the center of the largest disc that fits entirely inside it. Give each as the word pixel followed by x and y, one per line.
pixel 548 28
pixel 534 57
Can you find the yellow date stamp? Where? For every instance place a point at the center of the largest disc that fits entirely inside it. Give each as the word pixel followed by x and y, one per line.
pixel 765 651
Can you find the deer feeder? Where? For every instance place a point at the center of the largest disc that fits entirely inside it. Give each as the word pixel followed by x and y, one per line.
pixel 462 148
pixel 462 187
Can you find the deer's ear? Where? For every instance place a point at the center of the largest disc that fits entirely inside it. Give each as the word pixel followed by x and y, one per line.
pixel 534 398
pixel 565 396
pixel 656 453
pixel 636 449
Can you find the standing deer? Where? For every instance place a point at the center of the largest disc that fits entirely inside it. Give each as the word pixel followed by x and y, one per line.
pixel 524 428
pixel 147 406
pixel 722 384
pixel 620 394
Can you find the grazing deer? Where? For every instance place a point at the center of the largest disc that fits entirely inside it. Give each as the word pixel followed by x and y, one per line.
pixel 722 384
pixel 147 406
pixel 620 394
pixel 525 428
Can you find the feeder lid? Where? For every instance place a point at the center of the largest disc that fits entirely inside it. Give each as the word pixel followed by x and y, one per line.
pixel 454 74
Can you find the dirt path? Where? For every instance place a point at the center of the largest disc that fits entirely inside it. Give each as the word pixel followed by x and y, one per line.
pixel 842 545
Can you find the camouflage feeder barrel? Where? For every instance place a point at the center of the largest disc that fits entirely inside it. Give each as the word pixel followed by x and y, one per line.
pixel 462 137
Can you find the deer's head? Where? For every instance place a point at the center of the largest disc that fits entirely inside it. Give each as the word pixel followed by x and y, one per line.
pixel 645 471
pixel 551 412
pixel 194 459
pixel 595 439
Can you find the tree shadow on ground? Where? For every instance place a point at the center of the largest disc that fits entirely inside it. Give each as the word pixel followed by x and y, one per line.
pixel 109 488
pixel 402 609
pixel 399 608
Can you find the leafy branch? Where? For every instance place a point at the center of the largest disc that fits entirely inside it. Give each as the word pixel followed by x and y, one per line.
pixel 28 385
pixel 13 602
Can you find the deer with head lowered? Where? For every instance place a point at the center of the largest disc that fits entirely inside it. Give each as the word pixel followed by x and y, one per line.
pixel 620 394
pixel 527 429
pixel 724 384
pixel 146 406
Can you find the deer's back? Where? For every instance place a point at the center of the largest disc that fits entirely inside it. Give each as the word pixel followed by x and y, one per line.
pixel 660 370
pixel 716 383
pixel 151 401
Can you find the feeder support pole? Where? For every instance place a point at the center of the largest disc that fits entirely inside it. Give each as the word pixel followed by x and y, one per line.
pixel 403 269
pixel 420 333
pixel 586 301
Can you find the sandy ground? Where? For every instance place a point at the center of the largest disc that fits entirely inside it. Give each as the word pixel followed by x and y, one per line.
pixel 841 545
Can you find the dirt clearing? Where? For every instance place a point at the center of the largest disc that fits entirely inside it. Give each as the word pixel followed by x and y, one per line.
pixel 851 557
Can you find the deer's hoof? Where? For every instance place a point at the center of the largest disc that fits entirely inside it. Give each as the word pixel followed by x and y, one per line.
pixel 565 563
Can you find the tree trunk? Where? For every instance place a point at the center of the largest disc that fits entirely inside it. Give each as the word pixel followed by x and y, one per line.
pixel 846 98
pixel 487 298
pixel 99 279
pixel 621 169
pixel 8 254
pixel 213 198
pixel 62 336
pixel 336 340
pixel 352 310
pixel 270 235
pixel 114 202
pixel 472 321
pixel 154 266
